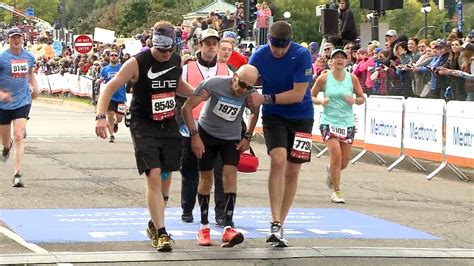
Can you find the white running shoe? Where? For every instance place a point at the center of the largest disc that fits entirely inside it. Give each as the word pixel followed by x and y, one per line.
pixel 336 197
pixel 275 233
pixel 282 242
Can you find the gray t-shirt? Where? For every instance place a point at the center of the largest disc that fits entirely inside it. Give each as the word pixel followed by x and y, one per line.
pixel 222 113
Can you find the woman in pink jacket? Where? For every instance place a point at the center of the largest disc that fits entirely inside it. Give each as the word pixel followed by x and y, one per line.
pixel 263 21
pixel 368 67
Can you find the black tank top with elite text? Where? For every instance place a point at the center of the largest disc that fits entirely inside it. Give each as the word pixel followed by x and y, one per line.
pixel 153 104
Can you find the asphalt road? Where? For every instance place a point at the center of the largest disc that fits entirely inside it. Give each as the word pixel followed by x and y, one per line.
pixel 66 166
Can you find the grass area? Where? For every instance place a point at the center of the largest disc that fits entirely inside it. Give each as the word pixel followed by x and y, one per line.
pixel 66 97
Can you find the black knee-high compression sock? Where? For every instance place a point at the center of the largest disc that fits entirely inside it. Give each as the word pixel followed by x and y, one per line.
pixel 229 207
pixel 204 204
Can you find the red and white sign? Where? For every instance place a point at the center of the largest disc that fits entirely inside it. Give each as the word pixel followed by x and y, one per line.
pixel 83 44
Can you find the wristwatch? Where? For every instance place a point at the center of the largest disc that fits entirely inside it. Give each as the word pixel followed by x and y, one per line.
pixel 193 132
pixel 248 136
pixel 100 116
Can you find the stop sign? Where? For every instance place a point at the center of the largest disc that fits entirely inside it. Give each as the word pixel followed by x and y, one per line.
pixel 83 44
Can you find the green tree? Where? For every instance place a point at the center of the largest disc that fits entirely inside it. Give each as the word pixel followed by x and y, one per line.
pixel 468 20
pixel 133 18
pixel 410 21
pixel 44 9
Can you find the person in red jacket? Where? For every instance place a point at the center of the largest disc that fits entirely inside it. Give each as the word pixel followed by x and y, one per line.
pixel 236 59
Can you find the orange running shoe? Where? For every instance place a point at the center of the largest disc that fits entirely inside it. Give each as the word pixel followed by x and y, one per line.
pixel 230 237
pixel 204 237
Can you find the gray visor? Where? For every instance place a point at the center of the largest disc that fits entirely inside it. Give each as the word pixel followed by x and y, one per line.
pixel 164 38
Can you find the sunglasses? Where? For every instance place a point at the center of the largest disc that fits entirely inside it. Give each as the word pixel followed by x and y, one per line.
pixel 327 49
pixel 113 55
pixel 164 50
pixel 243 84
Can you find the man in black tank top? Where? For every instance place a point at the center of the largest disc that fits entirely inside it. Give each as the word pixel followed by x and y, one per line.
pixel 156 74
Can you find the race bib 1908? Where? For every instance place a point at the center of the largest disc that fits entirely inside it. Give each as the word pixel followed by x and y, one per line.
pixel 228 109
pixel 163 105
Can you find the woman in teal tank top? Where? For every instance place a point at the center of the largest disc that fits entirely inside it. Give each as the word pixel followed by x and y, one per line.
pixel 337 120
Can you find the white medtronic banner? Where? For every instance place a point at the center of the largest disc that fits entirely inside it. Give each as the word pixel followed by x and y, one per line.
pixel 359 113
pixel 460 133
pixel 383 124
pixel 318 111
pixel 423 128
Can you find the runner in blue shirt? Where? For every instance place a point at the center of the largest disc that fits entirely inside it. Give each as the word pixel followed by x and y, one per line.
pixel 16 76
pixel 117 107
pixel 285 71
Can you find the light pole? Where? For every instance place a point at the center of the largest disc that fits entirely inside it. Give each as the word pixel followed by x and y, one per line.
pixel 426 9
pixel 287 16
pixel 374 19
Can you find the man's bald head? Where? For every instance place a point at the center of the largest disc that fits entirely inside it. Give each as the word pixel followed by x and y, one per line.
pixel 248 74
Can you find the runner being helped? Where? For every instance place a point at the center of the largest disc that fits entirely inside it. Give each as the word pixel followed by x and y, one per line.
pixel 219 132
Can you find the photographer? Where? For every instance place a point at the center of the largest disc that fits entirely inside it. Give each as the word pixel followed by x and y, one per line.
pixel 438 83
pixel 347 24
pixel 404 69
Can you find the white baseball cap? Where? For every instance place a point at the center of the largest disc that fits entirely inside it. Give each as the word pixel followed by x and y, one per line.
pixel 391 33
pixel 207 33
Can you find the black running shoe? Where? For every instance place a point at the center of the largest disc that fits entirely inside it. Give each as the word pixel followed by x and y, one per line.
pixel 17 181
pixel 187 217
pixel 6 152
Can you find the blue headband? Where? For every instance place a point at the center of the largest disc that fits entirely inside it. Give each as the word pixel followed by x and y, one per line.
pixel 280 43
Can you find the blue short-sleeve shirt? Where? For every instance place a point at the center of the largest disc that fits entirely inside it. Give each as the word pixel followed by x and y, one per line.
pixel 279 74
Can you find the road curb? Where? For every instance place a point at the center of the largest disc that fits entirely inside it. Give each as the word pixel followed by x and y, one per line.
pixel 64 102
pixel 239 255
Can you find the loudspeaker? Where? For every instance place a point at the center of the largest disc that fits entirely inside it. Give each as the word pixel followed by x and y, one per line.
pixel 390 4
pixel 381 5
pixel 367 4
pixel 329 22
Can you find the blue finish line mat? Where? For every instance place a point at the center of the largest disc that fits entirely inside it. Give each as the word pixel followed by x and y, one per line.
pixel 129 224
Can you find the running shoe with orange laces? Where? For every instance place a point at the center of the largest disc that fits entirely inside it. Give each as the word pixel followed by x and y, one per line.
pixel 230 237
pixel 204 237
